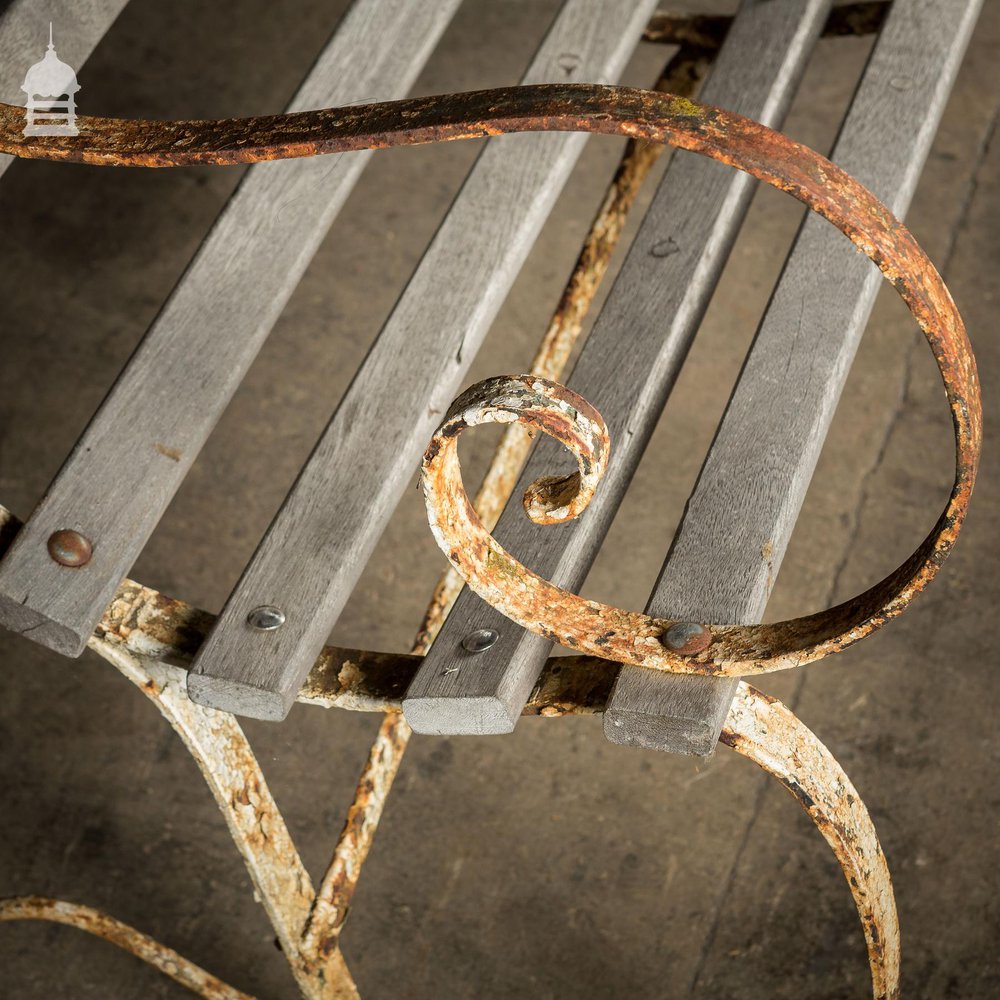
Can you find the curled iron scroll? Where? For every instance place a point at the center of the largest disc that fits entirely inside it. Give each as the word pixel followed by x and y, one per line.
pixel 634 638
pixel 612 633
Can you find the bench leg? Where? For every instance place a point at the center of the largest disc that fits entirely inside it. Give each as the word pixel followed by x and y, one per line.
pixel 232 772
pixel 763 729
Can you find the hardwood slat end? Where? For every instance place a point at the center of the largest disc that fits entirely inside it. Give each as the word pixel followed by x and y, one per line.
pixel 238 697
pixel 39 628
pixel 668 712
pixel 482 715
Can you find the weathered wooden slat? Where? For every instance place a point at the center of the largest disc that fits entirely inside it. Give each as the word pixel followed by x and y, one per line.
pixel 737 524
pixel 132 458
pixel 24 33
pixel 315 549
pixel 626 369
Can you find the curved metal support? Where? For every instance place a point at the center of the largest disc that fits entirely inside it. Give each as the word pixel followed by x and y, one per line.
pixel 763 729
pixel 85 918
pixel 142 624
pixel 232 772
pixel 633 638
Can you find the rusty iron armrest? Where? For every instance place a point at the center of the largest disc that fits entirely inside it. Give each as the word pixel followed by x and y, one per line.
pixel 601 630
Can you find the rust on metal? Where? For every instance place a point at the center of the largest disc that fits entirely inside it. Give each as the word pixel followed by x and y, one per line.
pixel 687 638
pixel 142 625
pixel 763 729
pixel 724 136
pixel 70 548
pixel 85 918
pixel 736 650
pixel 152 626
pixel 757 726
pixel 333 898
pixel 231 770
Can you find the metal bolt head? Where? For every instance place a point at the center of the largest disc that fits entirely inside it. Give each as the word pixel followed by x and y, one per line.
pixel 69 548
pixel 266 618
pixel 687 638
pixel 480 640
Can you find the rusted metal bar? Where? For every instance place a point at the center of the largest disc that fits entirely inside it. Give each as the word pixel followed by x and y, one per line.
pixel 149 624
pixel 763 729
pixel 708 31
pixel 758 727
pixel 152 626
pixel 333 898
pixel 614 110
pixel 724 136
pixel 636 638
pixel 593 108
pixel 736 650
pixel 85 918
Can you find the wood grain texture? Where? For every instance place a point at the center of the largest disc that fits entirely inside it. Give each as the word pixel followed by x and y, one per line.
pixel 314 551
pixel 626 369
pixel 739 519
pixel 130 461
pixel 78 26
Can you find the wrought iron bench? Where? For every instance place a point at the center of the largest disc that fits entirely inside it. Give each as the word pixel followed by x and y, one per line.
pixel 477 666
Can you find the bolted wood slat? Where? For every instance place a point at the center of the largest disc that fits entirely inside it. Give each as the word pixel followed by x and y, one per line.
pixel 626 369
pixel 315 549
pixel 740 517
pixel 134 455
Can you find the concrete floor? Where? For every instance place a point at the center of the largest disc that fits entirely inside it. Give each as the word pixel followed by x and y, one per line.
pixel 549 863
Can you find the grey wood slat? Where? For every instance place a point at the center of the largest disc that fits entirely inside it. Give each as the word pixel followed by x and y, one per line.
pixel 626 369
pixel 78 26
pixel 739 519
pixel 132 457
pixel 314 551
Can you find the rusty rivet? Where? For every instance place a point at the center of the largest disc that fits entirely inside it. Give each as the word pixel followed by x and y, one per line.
pixel 480 640
pixel 266 618
pixel 687 638
pixel 70 548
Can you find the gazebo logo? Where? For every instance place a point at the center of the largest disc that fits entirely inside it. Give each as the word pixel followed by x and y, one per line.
pixel 51 87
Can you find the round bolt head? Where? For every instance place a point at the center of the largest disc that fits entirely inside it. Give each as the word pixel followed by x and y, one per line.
pixel 266 618
pixel 687 638
pixel 69 548
pixel 480 640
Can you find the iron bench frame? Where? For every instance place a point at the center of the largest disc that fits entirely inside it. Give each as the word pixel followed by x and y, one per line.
pixel 151 639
